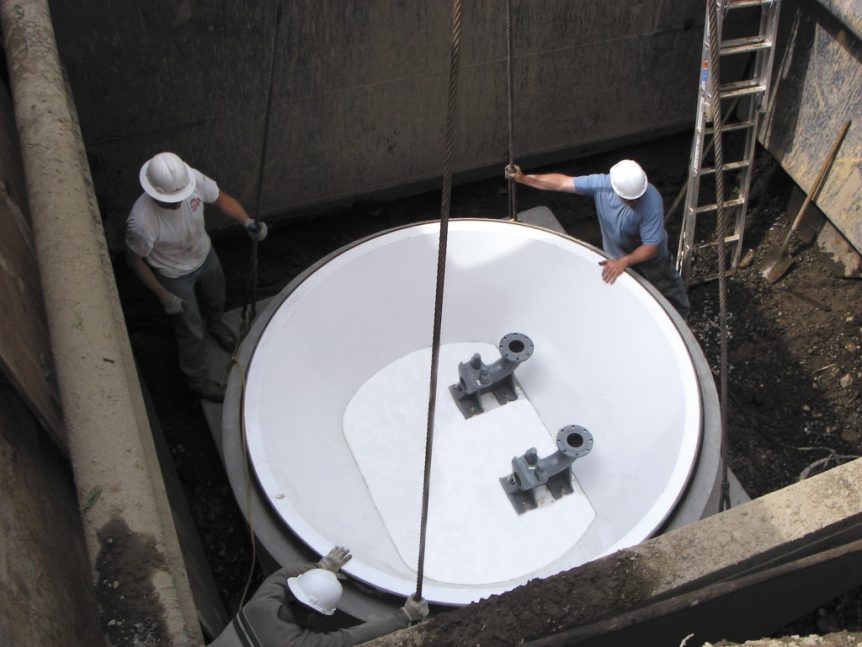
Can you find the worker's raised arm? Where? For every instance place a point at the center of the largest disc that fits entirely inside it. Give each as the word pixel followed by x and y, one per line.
pixel 542 181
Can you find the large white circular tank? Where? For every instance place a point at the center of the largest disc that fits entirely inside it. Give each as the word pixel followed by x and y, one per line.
pixel 334 405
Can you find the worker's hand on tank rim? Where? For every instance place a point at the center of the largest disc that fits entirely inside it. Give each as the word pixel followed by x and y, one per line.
pixel 612 268
pixel 335 559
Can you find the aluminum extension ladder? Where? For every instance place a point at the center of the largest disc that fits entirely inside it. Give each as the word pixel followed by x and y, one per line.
pixel 744 101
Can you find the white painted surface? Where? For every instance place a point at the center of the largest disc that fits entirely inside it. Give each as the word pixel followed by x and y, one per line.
pixel 469 513
pixel 607 358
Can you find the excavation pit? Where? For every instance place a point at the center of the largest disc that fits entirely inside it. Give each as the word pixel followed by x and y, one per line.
pixel 336 395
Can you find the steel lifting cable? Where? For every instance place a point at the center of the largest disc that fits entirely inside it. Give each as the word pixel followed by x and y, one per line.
pixel 513 209
pixel 249 307
pixel 441 273
pixel 721 226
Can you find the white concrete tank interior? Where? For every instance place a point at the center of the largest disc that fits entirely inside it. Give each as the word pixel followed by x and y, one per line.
pixel 336 393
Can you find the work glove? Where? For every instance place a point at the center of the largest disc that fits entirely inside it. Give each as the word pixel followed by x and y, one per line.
pixel 512 172
pixel 335 559
pixel 172 304
pixel 256 229
pixel 415 609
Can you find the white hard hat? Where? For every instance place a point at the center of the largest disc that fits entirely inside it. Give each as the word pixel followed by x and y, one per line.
pixel 318 589
pixel 167 178
pixel 628 180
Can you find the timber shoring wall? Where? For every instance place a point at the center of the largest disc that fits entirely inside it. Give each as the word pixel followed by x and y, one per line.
pixel 817 86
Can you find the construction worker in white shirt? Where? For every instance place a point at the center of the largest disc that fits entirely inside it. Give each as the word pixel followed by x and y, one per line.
pixel 169 250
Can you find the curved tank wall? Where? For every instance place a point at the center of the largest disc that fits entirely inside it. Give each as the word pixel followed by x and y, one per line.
pixel 335 404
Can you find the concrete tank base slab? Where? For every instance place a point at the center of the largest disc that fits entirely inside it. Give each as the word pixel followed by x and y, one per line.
pixel 279 540
pixel 468 509
pixel 277 546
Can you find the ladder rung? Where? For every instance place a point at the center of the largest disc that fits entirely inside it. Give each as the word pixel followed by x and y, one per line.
pixel 741 88
pixel 741 4
pixel 730 166
pixel 740 125
pixel 727 239
pixel 712 277
pixel 742 45
pixel 733 202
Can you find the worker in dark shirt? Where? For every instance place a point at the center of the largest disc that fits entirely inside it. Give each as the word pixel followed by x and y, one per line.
pixel 290 605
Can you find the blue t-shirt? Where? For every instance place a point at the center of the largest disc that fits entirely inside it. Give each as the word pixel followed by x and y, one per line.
pixel 625 228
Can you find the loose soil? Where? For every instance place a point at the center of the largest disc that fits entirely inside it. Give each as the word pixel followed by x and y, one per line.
pixel 794 368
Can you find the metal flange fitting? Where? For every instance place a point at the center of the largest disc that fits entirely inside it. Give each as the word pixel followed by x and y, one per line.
pixel 554 472
pixel 476 377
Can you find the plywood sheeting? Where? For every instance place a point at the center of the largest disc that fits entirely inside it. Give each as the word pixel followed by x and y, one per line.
pixel 818 85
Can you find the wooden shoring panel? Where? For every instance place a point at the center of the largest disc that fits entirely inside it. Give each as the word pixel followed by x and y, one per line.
pixel 740 609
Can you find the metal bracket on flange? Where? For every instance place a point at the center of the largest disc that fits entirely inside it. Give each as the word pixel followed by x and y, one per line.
pixel 476 377
pixel 554 472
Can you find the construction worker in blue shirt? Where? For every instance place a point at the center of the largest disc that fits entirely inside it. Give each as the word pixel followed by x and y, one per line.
pixel 631 217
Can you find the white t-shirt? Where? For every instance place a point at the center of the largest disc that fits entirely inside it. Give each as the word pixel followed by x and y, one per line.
pixel 174 241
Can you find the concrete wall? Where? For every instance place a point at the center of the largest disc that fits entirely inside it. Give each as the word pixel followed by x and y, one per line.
pixel 47 596
pixel 360 88
pixel 25 356
pixel 818 85
pixel 127 520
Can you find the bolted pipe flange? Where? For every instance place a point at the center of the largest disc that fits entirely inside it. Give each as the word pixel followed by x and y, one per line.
pixel 554 472
pixel 574 441
pixel 475 377
pixel 516 347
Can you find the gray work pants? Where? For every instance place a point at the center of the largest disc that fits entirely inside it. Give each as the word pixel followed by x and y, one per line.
pixel 203 295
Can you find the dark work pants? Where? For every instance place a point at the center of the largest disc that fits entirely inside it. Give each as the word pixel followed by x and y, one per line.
pixel 203 295
pixel 663 275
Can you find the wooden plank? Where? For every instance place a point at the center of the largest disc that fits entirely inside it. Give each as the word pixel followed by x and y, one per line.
pixel 817 514
pixel 738 610
pixel 817 78
pixel 211 611
pixel 25 353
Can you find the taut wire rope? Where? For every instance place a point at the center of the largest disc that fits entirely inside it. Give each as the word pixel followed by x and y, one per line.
pixel 513 208
pixel 441 273
pixel 720 228
pixel 249 307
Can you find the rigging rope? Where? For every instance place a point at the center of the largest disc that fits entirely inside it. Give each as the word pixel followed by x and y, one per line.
pixel 441 272
pixel 720 228
pixel 249 306
pixel 513 209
